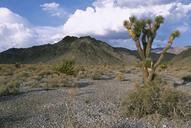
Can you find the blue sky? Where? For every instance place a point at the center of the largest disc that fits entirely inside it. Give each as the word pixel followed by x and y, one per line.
pixel 25 23
pixel 31 10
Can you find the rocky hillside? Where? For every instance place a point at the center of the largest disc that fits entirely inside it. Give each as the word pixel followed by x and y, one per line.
pixel 172 50
pixel 84 50
pixel 183 58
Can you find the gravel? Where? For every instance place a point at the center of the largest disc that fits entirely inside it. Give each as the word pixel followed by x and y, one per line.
pixel 93 104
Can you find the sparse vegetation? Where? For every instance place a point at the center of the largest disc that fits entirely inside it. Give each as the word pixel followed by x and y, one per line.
pixel 157 99
pixel 11 88
pixel 17 65
pixel 66 66
pixel 163 66
pixel 96 76
pixel 120 76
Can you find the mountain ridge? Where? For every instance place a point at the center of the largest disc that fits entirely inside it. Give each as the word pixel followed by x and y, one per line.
pixel 85 50
pixel 184 58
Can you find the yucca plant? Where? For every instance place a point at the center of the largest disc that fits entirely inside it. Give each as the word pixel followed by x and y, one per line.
pixel 143 32
pixel 67 67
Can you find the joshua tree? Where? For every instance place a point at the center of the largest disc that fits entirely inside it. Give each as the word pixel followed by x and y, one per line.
pixel 143 32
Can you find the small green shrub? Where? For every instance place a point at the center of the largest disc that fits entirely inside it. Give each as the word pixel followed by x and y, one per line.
pixel 10 88
pixel 67 67
pixel 163 66
pixel 154 98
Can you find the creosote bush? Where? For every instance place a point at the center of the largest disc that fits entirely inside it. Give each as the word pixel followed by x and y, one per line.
pixel 67 67
pixel 10 88
pixel 156 99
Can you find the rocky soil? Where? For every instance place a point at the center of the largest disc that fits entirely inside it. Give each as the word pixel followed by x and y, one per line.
pixel 93 104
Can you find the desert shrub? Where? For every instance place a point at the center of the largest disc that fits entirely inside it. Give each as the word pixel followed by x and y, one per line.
pixel 96 76
pixel 17 65
pixel 7 70
pixel 67 67
pixel 120 76
pixel 80 68
pixel 45 72
pixel 163 66
pixel 10 88
pixel 22 74
pixel 154 98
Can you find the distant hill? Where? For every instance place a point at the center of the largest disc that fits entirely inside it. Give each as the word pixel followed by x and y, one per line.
pixel 84 50
pixel 183 58
pixel 172 50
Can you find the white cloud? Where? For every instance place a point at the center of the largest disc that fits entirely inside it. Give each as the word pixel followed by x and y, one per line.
pixel 101 20
pixel 50 6
pixel 15 31
pixel 54 9
pixel 183 28
pixel 133 3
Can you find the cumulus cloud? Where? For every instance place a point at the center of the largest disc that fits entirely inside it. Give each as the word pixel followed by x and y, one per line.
pixel 100 20
pixel 16 31
pixel 107 16
pixel 54 9
pixel 133 3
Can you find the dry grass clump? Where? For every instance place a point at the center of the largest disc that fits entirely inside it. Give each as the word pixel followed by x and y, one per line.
pixel 156 99
pixel 10 88
pixel 60 81
pixel 120 76
pixel 7 70
pixel 96 76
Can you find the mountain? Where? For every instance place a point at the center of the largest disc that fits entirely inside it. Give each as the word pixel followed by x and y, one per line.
pixel 172 50
pixel 84 50
pixel 184 58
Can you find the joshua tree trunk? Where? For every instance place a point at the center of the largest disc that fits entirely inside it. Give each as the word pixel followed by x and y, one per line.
pixel 148 75
pixel 143 32
pixel 145 74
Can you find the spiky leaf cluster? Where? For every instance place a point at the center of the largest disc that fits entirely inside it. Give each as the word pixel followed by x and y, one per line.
pixel 175 34
pixel 143 26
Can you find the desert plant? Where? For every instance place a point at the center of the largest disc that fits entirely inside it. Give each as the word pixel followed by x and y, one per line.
pixel 96 76
pixel 156 99
pixel 120 76
pixel 10 88
pixel 17 65
pixel 67 67
pixel 163 66
pixel 143 32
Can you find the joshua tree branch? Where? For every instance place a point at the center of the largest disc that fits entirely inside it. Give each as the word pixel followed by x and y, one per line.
pixel 169 44
pixel 148 48
pixel 137 42
pixel 139 48
pixel 144 42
